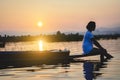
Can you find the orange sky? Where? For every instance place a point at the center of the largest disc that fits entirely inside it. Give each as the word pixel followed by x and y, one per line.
pixel 22 16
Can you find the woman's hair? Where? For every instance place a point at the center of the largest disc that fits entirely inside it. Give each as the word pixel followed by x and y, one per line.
pixel 91 25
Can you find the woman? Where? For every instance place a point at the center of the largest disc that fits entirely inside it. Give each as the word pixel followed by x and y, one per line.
pixel 89 40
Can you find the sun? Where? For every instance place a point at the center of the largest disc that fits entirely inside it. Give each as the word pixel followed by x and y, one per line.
pixel 40 24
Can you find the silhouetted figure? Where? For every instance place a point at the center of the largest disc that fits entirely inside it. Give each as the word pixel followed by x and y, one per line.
pixel 89 40
pixel 2 42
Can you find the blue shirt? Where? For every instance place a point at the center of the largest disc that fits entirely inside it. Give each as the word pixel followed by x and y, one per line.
pixel 87 42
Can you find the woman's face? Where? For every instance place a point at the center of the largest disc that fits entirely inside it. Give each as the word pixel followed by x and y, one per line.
pixel 93 28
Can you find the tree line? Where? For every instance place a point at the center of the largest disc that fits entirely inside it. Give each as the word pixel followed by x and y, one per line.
pixel 57 37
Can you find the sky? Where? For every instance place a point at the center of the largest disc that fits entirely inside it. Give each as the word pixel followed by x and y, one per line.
pixel 22 16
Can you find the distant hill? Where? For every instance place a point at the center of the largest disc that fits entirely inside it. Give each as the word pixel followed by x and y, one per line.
pixel 98 31
pixel 115 30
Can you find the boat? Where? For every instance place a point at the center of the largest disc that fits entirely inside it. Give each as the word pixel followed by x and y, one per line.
pixel 33 57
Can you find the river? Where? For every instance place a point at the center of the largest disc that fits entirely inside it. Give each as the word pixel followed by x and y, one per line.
pixel 91 69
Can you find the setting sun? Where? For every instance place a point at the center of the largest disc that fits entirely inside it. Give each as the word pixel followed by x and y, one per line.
pixel 40 24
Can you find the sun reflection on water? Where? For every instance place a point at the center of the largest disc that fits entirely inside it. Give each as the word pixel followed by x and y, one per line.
pixel 40 43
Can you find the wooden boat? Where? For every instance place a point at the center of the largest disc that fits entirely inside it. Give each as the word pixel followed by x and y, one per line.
pixel 33 57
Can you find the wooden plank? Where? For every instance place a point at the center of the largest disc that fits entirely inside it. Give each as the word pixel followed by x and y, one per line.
pixel 71 57
pixel 77 56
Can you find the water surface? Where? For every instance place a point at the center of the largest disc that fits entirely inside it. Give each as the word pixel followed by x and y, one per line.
pixel 91 69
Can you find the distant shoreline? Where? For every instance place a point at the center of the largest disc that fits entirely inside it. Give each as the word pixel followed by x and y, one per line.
pixel 58 37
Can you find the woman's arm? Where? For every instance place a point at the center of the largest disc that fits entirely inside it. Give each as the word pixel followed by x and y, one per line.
pixel 96 43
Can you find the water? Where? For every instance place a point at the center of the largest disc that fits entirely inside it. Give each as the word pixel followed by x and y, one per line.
pixel 91 69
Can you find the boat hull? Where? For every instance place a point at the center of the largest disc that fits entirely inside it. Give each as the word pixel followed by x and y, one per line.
pixel 33 57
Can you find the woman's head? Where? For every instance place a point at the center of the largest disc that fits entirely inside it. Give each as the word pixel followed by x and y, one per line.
pixel 91 26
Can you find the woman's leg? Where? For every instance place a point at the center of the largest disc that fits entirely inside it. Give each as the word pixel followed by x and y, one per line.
pixel 107 54
pixel 102 52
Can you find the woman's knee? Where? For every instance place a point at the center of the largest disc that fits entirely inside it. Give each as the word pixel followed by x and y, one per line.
pixel 100 51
